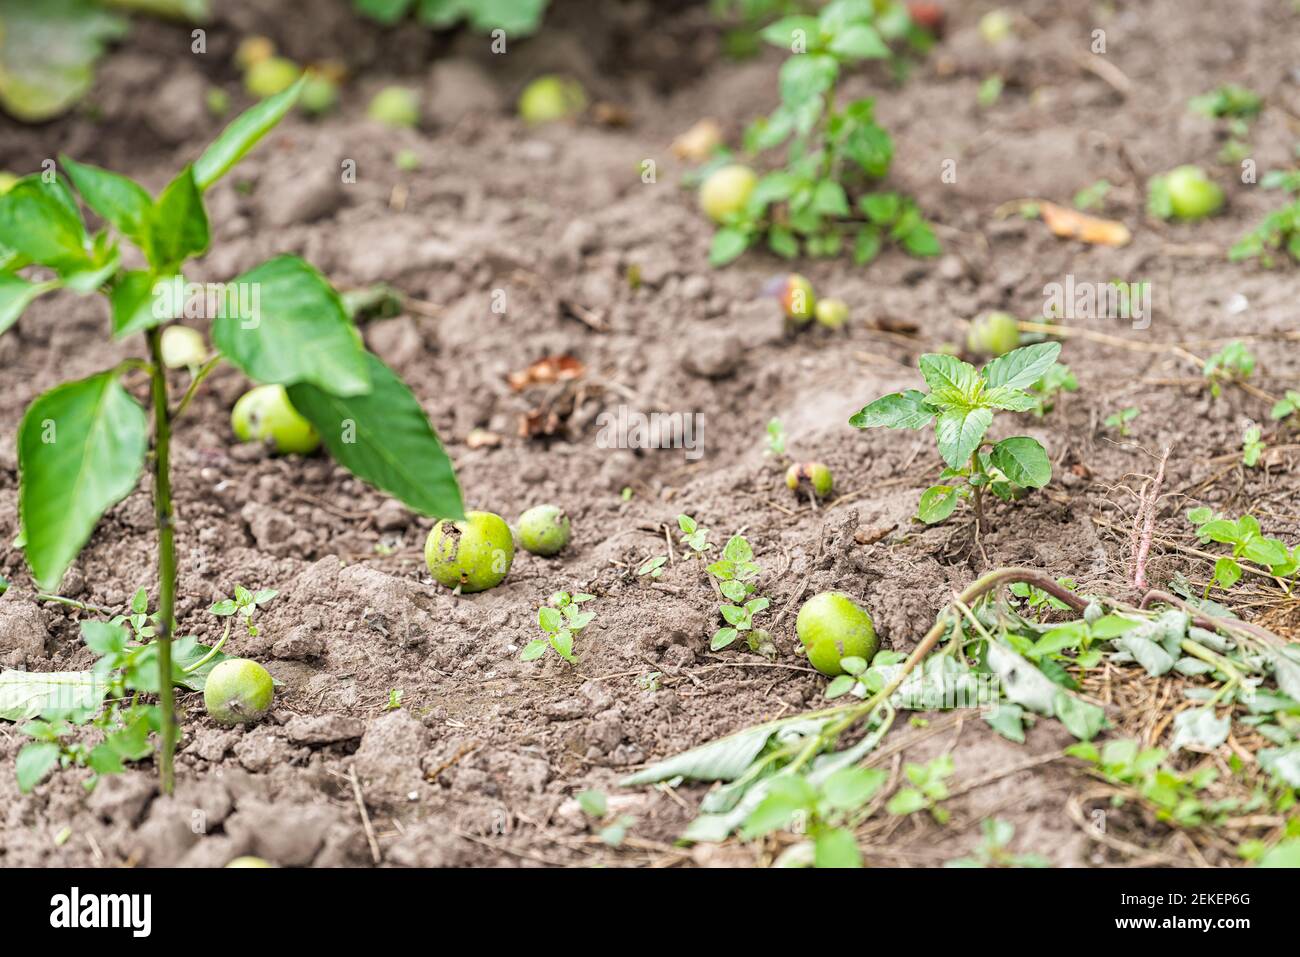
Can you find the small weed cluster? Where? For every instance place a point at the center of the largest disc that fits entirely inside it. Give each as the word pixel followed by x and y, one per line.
pixel 1248 543
pixel 1280 230
pixel 736 572
pixel 560 619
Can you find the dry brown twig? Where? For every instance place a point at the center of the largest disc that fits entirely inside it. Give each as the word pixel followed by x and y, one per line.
pixel 1145 522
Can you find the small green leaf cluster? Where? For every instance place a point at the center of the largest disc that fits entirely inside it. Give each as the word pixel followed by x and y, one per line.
pixel 736 571
pixel 1120 420
pixel 862 678
pixel 1175 797
pixel 927 786
pixel 1056 380
pixel 1280 229
pixel 1238 106
pixel 595 805
pixel 961 403
pixel 992 850
pixel 1286 406
pixel 518 18
pixel 832 152
pixel 694 535
pixel 560 619
pixel 244 605
pixel 826 811
pixel 776 439
pixel 1248 542
pixel 1252 446
pixel 1233 363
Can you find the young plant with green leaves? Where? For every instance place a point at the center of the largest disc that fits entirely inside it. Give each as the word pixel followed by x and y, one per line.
pixel 561 619
pixel 961 404
pixel 1237 106
pixel 1234 363
pixel 694 535
pixel 992 850
pixel 1280 229
pixel 1248 543
pixel 822 200
pixel 1058 379
pixel 115 697
pixel 83 446
pixel 518 18
pixel 1285 407
pixel 927 785
pixel 1252 446
pixel 826 811
pixel 1121 420
pixel 736 571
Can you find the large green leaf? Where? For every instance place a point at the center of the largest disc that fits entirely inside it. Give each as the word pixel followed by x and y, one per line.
pixel 28 694
pixel 242 135
pixel 37 222
pixel 48 50
pixel 119 200
pixel 899 410
pixel 959 433
pixel 1023 461
pixel 81 447
pixel 180 226
pixel 135 302
pixel 724 759
pixel 16 294
pixel 298 331
pixel 385 438
pixel 948 374
pixel 1021 368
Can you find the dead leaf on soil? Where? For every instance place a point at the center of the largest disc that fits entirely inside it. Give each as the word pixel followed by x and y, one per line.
pixel 698 143
pixel 545 371
pixel 1072 224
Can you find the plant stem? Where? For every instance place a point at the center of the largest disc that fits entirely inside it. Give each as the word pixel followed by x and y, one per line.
pixel 73 603
pixel 212 652
pixel 195 382
pixel 978 493
pixel 164 515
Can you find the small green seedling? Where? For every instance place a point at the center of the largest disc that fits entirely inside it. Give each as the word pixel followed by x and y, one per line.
pixel 736 571
pixel 928 786
pixel 1234 363
pixel 694 535
pixel 1248 542
pixel 1055 381
pixel 560 619
pixel 395 696
pixel 1238 106
pixel 961 403
pixel 1177 797
pixel 653 567
pixel 1286 407
pixel 1280 229
pixel 1092 197
pixel 1252 447
pixel 992 851
pixel 825 812
pixel 821 202
pixel 776 439
pixel 1121 419
pixel 595 805
pixel 990 91
pixel 280 324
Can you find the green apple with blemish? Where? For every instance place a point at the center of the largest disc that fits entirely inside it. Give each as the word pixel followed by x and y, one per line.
pixel 264 414
pixel 473 555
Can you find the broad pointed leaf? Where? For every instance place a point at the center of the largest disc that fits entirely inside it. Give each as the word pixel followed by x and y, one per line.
pixel 27 694
pixel 242 135
pixel 120 201
pixel 81 447
pixel 1021 368
pixel 385 438
pixel 16 294
pixel 948 372
pixel 180 228
pixel 899 410
pixel 37 222
pixel 1023 461
pixel 959 433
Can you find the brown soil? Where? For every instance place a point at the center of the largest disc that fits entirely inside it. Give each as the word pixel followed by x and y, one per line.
pixel 480 764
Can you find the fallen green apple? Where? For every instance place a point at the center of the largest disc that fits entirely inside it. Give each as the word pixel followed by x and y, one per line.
pixel 474 554
pixel 544 530
pixel 810 475
pixel 265 414
pixel 270 76
pixel 319 94
pixel 994 334
pixel 183 348
pixel 797 299
pixel 238 691
pixel 726 191
pixel 550 98
pixel 831 626
pixel 831 313
pixel 1185 192
pixel 395 106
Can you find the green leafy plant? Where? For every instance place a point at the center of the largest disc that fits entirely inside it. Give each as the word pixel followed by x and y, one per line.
pixel 1057 379
pixel 653 567
pixel 83 445
pixel 775 439
pixel 1229 100
pixel 1121 420
pixel 736 572
pixel 1233 363
pixel 694 535
pixel 820 202
pixel 516 17
pixel 1280 229
pixel 1176 797
pixel 824 810
pixel 1247 542
pixel 1092 197
pixel 613 829
pixel 927 786
pixel 992 850
pixel 961 403
pixel 1252 447
pixel 560 619
pixel 114 696
pixel 1286 406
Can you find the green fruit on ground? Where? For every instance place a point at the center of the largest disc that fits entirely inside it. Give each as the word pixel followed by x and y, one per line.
pixel 474 554
pixel 238 691
pixel 797 299
pixel 183 347
pixel 253 50
pixel 832 626
pixel 544 530
pixel 271 76
pixel 726 192
pixel 249 861
pixel 7 181
pixel 995 26
pixel 550 98
pixel 831 313
pixel 395 106
pixel 319 94
pixel 1192 194
pixel 993 334
pixel 265 414
pixel 810 475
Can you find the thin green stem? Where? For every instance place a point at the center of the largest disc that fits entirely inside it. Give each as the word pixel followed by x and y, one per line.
pixel 165 517
pixel 195 382
pixel 72 603
pixel 212 653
